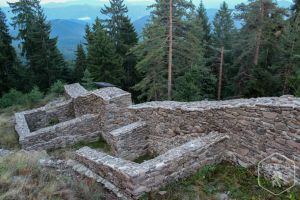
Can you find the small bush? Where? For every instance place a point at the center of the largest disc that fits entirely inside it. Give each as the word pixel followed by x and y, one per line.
pixel 57 88
pixel 13 97
pixel 17 98
pixel 34 96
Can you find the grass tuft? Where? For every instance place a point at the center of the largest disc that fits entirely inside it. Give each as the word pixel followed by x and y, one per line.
pixel 238 182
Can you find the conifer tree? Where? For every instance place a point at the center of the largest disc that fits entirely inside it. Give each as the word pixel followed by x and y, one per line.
pixel 8 58
pixel 80 63
pixel 124 36
pixel 103 62
pixel 222 39
pixel 116 12
pixel 256 49
pixel 87 80
pixel 203 21
pixel 45 62
pixel 289 55
pixel 187 53
pixel 151 53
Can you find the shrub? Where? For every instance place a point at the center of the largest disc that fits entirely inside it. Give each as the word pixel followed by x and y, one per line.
pixel 13 97
pixel 34 96
pixel 57 88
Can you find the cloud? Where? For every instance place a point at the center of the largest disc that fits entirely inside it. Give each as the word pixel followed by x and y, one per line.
pixel 87 18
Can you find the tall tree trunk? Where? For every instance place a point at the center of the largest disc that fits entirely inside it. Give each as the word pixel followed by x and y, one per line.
pixel 221 74
pixel 170 60
pixel 259 34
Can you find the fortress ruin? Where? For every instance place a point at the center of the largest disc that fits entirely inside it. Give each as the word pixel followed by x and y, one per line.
pixel 183 136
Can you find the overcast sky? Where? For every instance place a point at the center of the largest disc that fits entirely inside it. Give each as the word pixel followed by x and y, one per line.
pixel 208 3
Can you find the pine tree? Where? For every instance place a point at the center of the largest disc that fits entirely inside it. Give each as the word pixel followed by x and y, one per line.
pixel 45 62
pixel 80 63
pixel 151 54
pixel 256 49
pixel 198 83
pixel 103 62
pixel 122 33
pixel 203 21
pixel 222 39
pixel 289 55
pixel 87 80
pixel 8 58
pixel 153 51
pixel 128 40
pixel 116 13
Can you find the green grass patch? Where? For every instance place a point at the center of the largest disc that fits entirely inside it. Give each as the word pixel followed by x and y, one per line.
pixel 69 152
pixel 239 183
pixel 144 158
pixel 100 144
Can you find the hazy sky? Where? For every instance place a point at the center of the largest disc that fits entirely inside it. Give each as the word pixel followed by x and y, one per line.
pixel 208 3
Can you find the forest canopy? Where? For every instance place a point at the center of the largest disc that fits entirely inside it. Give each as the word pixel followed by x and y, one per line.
pixel 181 55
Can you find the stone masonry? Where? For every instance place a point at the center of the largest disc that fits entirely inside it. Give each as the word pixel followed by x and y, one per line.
pixel 184 136
pixel 84 116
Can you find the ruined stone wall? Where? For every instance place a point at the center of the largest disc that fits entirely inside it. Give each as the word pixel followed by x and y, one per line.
pixel 48 116
pixel 116 113
pixel 90 104
pixel 136 179
pixel 129 142
pixel 66 122
pixel 85 128
pixel 257 127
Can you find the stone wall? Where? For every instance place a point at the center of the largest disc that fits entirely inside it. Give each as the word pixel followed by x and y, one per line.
pixel 85 128
pixel 129 142
pixel 257 127
pixel 84 116
pixel 136 179
pixel 186 136
pixel 47 116
pixel 117 113
pixel 89 104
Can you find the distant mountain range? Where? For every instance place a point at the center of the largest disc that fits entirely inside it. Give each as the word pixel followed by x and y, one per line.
pixel 69 21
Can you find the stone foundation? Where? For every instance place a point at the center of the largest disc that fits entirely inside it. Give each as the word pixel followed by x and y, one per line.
pixel 85 116
pixel 136 179
pixel 185 136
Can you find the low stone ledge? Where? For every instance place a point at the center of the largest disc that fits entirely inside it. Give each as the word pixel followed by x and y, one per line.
pixel 137 179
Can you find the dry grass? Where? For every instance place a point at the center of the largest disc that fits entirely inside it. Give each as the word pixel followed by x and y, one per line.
pixel 21 177
pixel 9 138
